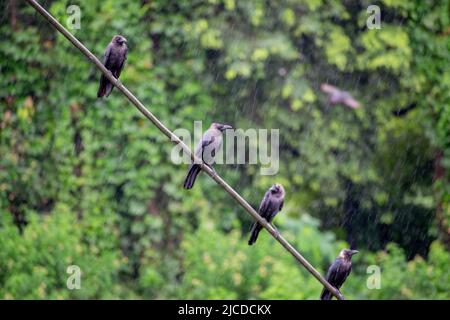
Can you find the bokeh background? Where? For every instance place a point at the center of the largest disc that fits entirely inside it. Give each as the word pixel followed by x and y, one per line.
pixel 89 182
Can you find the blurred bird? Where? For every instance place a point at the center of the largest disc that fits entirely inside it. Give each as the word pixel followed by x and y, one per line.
pixel 337 96
pixel 403 111
pixel 113 59
pixel 271 204
pixel 206 150
pixel 338 272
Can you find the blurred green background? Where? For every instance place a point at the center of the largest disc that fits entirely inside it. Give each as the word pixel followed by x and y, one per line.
pixel 89 182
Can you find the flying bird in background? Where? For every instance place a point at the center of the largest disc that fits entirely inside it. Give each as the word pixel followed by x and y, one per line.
pixel 114 60
pixel 206 150
pixel 271 204
pixel 337 96
pixel 338 272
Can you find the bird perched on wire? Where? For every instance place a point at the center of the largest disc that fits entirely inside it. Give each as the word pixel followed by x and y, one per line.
pixel 338 272
pixel 338 96
pixel 113 59
pixel 271 204
pixel 206 150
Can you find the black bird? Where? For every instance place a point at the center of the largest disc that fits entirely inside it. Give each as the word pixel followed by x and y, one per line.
pixel 338 96
pixel 338 272
pixel 271 204
pixel 113 59
pixel 206 150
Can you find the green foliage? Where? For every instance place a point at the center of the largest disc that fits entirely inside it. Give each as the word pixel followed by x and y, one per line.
pixel 223 266
pixel 415 279
pixel 90 182
pixel 34 264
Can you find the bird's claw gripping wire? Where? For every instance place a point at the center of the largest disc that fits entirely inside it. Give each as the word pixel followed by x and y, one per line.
pixel 118 83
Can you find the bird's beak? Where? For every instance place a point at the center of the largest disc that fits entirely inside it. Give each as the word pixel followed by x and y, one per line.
pixel 354 252
pixel 226 127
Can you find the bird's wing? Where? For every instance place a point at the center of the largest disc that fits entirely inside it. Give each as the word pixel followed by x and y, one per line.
pixel 106 55
pixel 343 276
pixel 281 205
pixel 275 208
pixel 119 70
pixel 337 273
pixel 325 87
pixel 352 103
pixel 206 142
pixel 264 206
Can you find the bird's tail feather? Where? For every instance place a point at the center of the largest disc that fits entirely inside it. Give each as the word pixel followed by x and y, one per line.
pixel 256 228
pixel 194 170
pixel 326 295
pixel 105 87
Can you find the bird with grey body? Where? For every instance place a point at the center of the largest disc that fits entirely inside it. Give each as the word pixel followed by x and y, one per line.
pixel 338 96
pixel 206 151
pixel 271 204
pixel 338 272
pixel 113 59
